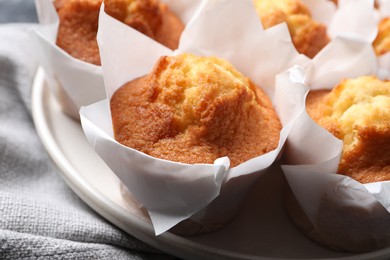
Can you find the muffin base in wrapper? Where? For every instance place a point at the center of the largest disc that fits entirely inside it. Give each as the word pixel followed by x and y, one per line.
pixel 74 82
pixel 218 213
pixel 343 227
pixel 206 196
pixel 330 208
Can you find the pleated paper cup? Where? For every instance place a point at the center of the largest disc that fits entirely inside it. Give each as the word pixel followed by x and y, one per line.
pixel 194 198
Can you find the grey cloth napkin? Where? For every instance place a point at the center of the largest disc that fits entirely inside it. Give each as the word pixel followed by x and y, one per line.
pixel 40 217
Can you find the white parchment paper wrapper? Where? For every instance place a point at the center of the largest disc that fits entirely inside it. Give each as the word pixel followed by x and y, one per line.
pixel 384 66
pixel 384 8
pixel 173 192
pixel 81 81
pixel 351 18
pixel 357 17
pixel 336 210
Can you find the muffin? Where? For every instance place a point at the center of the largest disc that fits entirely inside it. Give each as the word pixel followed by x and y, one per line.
pixel 79 24
pixel 193 109
pixel 382 42
pixel 308 36
pixel 357 111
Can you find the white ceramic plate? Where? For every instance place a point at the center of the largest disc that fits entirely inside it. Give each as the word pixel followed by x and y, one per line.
pixel 262 230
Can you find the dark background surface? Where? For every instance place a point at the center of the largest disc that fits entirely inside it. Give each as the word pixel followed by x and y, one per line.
pixel 18 11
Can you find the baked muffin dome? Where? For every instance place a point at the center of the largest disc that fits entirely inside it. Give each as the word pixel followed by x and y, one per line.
pixel 194 109
pixel 79 24
pixel 382 41
pixel 308 36
pixel 357 111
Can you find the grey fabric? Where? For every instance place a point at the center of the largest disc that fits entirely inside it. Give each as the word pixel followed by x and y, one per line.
pixel 40 217
pixel 12 11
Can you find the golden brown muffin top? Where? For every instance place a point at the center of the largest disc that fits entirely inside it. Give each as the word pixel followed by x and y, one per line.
pixel 308 36
pixel 144 16
pixel 194 109
pixel 382 41
pixel 79 24
pixel 357 111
